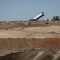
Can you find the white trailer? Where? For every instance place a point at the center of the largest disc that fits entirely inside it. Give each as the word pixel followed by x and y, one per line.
pixel 37 16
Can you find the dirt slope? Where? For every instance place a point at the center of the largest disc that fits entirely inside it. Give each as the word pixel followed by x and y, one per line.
pixel 10 45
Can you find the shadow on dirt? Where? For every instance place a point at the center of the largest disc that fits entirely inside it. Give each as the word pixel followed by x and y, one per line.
pixel 12 56
pixel 30 54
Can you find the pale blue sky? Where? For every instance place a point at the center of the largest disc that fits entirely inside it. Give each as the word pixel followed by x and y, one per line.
pixel 26 9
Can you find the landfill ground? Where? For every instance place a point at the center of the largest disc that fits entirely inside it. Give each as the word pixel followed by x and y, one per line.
pixel 30 43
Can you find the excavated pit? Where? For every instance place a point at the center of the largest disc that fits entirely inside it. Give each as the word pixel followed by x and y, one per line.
pixel 29 48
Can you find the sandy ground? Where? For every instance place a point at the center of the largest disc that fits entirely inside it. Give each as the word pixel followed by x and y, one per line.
pixel 30 43
pixel 31 32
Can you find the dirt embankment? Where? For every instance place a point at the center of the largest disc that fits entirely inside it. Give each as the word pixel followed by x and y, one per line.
pixel 29 48
pixel 10 45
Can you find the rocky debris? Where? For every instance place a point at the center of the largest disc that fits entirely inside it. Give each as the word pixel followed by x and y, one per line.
pixel 32 54
pixel 57 56
pixel 12 56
